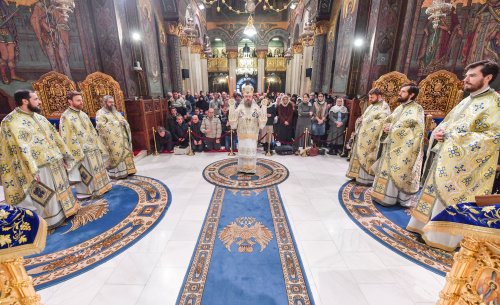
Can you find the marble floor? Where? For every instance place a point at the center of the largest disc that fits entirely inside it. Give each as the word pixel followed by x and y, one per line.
pixel 343 264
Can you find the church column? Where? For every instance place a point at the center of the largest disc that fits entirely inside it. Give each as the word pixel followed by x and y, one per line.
pixel 232 56
pixel 297 68
pixel 174 56
pixel 380 53
pixel 196 66
pixel 319 55
pixel 204 72
pixel 305 83
pixel 185 63
pixel 261 69
pixel 288 76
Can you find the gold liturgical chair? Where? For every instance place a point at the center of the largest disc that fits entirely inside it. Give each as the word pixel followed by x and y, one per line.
pixel 52 89
pixel 390 84
pixel 439 93
pixel 97 85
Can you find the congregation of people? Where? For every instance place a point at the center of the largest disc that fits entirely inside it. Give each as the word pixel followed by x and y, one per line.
pixel 288 117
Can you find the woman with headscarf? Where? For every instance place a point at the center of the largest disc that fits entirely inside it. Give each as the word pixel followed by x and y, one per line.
pixel 305 111
pixel 284 128
pixel 338 117
pixel 318 128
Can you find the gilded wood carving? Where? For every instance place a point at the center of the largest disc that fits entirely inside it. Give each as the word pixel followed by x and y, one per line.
pixel 390 84
pixel 439 93
pixel 52 89
pixel 97 85
pixel 276 64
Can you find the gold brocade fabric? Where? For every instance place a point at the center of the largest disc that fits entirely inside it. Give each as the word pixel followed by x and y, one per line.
pixel 365 148
pixel 465 162
pixel 403 155
pixel 27 143
pixel 248 121
pixel 79 134
pixel 115 134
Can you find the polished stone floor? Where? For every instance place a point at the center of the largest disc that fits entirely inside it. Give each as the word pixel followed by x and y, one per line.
pixel 343 264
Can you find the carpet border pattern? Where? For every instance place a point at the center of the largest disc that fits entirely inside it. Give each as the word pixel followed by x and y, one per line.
pixel 71 262
pixel 403 242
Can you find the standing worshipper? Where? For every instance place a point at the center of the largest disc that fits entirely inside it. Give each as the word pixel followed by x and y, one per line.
pixel 216 104
pixel 248 118
pixel 318 128
pixel 267 132
pixel 397 175
pixel 115 134
pixel 338 116
pixel 211 127
pixel 305 112
pixel 86 147
pixel 365 147
pixel 34 161
pixel 284 128
pixel 179 103
pixel 463 154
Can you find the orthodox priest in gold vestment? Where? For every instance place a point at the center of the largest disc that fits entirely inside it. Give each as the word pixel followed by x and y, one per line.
pixel 247 119
pixel 365 146
pixel 89 174
pixel 397 171
pixel 463 155
pixel 115 134
pixel 34 161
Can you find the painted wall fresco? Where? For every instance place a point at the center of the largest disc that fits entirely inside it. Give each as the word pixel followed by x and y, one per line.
pixel 470 33
pixel 34 40
pixel 344 45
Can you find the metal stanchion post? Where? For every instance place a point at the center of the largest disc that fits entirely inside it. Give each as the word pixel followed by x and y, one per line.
pixel 231 151
pixel 190 148
pixel 154 140
pixel 269 140
pixel 306 134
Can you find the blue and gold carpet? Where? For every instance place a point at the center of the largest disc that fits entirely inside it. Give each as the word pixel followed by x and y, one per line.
pixel 246 253
pixel 102 229
pixel 387 225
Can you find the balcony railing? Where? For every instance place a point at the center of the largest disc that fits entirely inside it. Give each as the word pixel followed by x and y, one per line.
pixel 275 64
pixel 218 65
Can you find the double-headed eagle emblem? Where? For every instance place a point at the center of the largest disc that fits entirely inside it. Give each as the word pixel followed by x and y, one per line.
pixel 246 232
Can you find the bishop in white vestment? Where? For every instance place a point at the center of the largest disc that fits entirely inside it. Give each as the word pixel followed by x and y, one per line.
pixel 247 119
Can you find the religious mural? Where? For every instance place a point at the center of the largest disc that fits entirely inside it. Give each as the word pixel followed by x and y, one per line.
pixel 344 45
pixel 36 37
pixel 470 32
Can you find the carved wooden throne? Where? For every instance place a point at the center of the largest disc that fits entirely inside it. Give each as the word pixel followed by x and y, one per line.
pixel 97 85
pixel 439 93
pixel 390 84
pixel 52 89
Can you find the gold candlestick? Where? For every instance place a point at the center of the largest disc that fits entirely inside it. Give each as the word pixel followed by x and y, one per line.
pixel 231 152
pixel 190 151
pixel 154 141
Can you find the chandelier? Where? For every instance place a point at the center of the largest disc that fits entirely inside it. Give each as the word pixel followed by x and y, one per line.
pixel 437 10
pixel 250 28
pixel 190 30
pixel 207 47
pixel 288 52
pixel 307 35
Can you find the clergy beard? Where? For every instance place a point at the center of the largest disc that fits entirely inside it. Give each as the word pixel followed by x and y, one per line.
pixel 248 103
pixel 110 108
pixel 34 109
pixel 79 107
pixel 470 88
pixel 402 100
